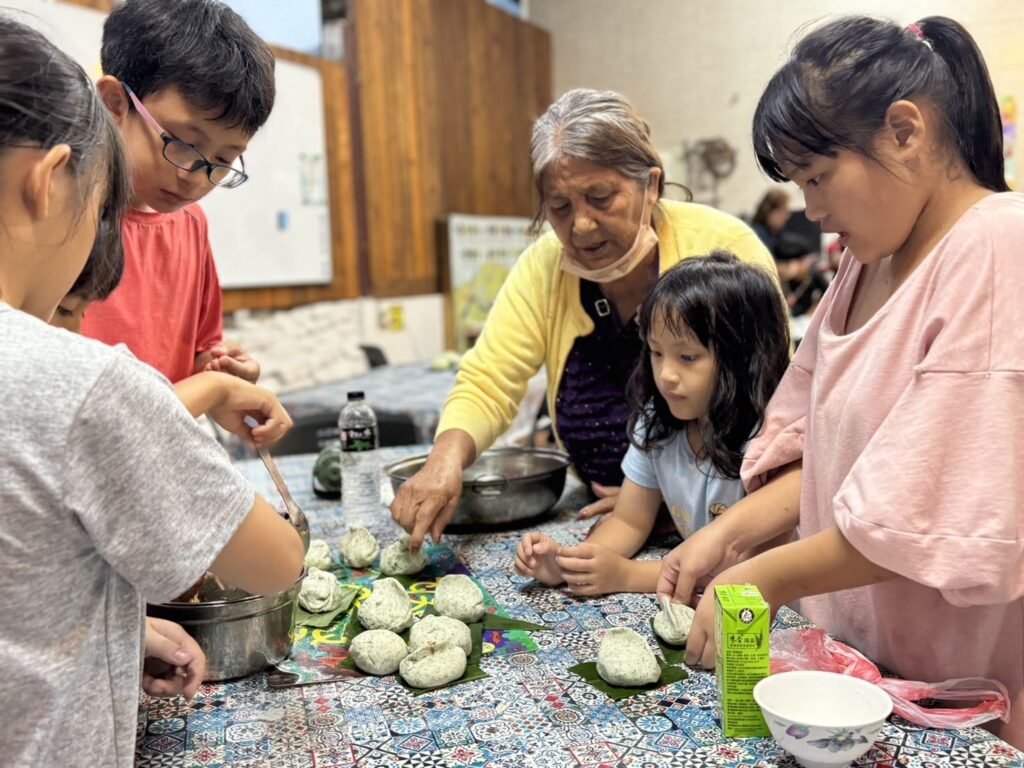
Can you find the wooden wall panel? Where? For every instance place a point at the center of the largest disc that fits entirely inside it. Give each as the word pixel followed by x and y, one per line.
pixel 394 84
pixel 535 84
pixel 448 91
pixel 454 72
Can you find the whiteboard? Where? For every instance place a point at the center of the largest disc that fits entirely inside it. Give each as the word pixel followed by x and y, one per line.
pixel 275 228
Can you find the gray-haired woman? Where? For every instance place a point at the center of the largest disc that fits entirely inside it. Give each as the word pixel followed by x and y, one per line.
pixel 570 302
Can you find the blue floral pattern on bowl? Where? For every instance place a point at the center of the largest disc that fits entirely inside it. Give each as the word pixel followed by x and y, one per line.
pixel 796 731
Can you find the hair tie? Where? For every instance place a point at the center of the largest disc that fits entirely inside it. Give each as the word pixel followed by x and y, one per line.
pixel 916 31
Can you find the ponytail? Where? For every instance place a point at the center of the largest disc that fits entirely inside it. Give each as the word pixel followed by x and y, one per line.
pixel 835 89
pixel 971 107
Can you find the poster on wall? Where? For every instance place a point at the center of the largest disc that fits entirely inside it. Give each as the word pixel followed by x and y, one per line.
pixel 1008 112
pixel 481 251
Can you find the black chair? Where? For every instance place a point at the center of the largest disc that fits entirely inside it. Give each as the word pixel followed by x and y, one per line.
pixel 311 433
pixel 396 429
pixel 375 356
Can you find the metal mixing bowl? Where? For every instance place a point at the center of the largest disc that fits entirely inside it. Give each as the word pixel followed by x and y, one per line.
pixel 504 485
pixel 239 633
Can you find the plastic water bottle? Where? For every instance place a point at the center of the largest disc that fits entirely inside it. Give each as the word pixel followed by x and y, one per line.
pixel 357 426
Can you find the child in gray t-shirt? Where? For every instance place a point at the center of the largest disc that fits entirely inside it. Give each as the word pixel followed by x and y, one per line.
pixel 715 346
pixel 110 493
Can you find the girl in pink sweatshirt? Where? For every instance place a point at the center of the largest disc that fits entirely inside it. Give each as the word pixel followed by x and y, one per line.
pixel 895 442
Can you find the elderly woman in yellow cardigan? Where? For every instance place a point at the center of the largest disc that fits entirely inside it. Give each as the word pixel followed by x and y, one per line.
pixel 570 302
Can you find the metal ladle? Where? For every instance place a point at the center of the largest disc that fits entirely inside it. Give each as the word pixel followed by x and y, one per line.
pixel 293 514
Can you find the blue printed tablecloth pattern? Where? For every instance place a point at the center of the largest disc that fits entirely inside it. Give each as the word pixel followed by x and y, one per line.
pixel 530 712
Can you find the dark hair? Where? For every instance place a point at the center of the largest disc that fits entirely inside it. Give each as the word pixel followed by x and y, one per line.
pixel 736 311
pixel 46 99
pixel 102 271
pixel 834 91
pixel 773 200
pixel 201 47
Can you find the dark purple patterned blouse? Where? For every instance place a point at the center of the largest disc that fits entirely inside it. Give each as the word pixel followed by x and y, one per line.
pixel 591 409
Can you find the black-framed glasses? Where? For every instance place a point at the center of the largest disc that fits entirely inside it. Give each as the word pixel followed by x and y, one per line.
pixel 188 158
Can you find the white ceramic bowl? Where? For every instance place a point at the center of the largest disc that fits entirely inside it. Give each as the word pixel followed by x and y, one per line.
pixel 821 718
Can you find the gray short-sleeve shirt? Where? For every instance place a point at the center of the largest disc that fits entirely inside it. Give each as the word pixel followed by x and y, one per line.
pixel 110 496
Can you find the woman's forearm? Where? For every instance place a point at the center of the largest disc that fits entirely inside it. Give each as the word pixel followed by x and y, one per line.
pixel 454 445
pixel 824 562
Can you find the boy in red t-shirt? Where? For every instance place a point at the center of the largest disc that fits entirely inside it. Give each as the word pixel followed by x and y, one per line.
pixel 188 83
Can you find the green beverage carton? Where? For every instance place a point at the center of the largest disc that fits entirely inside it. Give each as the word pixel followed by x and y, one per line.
pixel 742 621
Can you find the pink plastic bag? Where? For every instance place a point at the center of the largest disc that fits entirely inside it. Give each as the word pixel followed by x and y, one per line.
pixel 794 649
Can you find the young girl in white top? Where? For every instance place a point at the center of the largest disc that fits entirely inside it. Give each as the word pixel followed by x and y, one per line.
pixel 715 346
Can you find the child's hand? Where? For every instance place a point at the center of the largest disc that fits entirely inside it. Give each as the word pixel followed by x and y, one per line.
pixel 242 399
pixel 535 557
pixel 606 498
pixel 174 663
pixel 592 569
pixel 229 357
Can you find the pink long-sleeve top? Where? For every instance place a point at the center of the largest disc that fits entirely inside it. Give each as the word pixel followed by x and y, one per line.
pixel 911 431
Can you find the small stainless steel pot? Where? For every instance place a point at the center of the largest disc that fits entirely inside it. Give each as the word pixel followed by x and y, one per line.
pixel 239 633
pixel 503 486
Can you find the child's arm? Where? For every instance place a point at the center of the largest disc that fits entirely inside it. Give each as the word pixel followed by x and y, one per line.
pixel 593 569
pixel 200 392
pixel 824 562
pixel 228 400
pixel 626 529
pixel 602 564
pixel 228 357
pixel 264 556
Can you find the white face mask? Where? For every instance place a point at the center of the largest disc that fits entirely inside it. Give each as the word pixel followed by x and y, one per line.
pixel 646 240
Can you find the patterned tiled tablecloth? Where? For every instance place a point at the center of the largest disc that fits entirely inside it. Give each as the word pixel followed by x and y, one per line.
pixel 530 712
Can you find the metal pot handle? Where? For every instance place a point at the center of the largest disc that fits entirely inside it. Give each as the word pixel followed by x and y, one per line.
pixel 489 484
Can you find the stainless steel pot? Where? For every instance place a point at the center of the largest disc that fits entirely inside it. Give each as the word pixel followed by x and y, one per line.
pixel 239 633
pixel 503 486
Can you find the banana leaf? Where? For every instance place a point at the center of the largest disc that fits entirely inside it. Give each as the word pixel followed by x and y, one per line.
pixel 504 623
pixel 323 620
pixel 494 621
pixel 588 671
